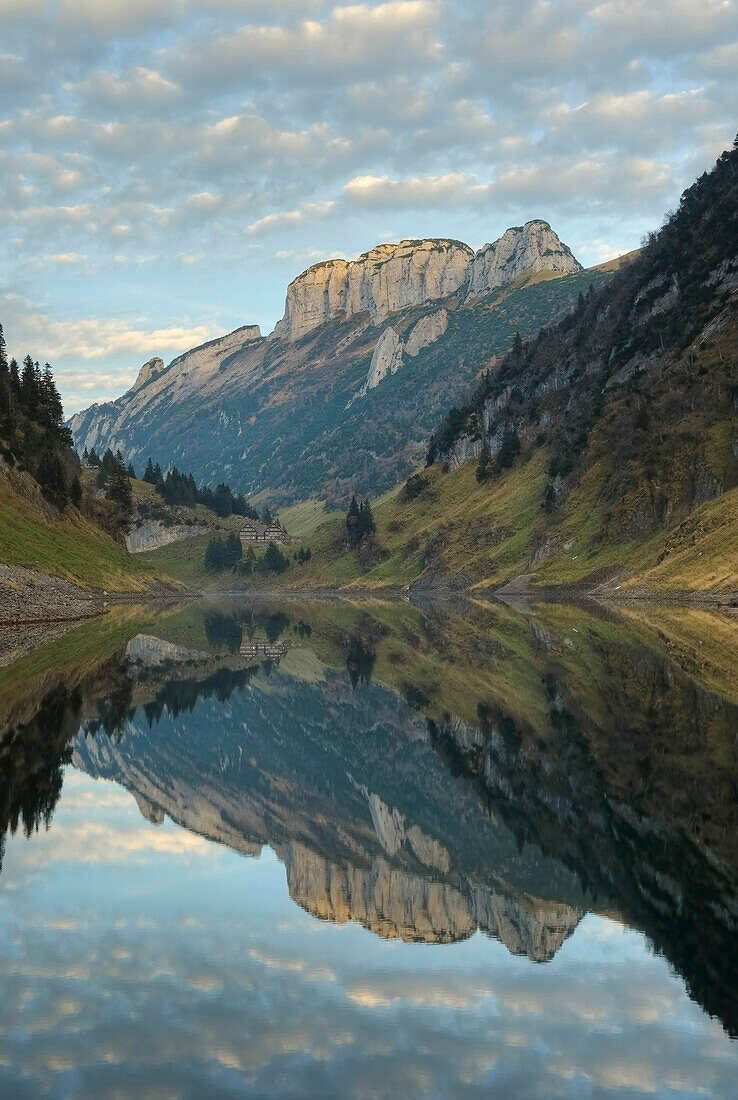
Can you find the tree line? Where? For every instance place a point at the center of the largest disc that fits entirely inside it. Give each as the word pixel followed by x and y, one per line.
pixel 32 431
pixel 176 487
pixel 223 554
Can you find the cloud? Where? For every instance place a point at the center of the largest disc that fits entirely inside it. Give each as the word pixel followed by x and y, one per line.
pixel 311 210
pixel 141 88
pixel 354 40
pixel 381 191
pixel 142 135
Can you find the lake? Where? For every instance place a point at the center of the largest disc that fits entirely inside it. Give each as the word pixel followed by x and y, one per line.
pixel 334 849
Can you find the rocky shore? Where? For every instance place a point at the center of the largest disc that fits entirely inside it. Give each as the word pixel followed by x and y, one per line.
pixel 28 597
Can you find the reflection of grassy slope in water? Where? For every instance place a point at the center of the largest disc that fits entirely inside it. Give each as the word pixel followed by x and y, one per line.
pixel 70 660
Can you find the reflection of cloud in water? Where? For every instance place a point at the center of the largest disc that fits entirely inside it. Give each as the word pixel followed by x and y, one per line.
pixel 196 991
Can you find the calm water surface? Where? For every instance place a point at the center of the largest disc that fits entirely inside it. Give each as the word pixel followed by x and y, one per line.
pixel 332 850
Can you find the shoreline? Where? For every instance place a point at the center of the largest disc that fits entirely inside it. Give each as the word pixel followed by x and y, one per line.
pixel 74 605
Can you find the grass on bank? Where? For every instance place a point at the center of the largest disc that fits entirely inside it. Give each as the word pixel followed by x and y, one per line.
pixel 67 546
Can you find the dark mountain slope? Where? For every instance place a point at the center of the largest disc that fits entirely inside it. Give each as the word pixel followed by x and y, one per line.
pixel 282 414
pixel 640 380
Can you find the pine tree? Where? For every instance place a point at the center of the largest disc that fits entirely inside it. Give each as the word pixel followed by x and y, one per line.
pixel 353 521
pixel 485 464
pixel 85 457
pixel 367 526
pixel 131 472
pixel 3 352
pixel 50 399
pixel 274 559
pixel 509 447
pixel 51 476
pixel 149 475
pixel 214 556
pixel 119 488
pixel 517 346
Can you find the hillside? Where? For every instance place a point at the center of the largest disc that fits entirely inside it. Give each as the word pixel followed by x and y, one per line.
pixel 633 397
pixel 346 390
pixel 61 542
pixel 52 562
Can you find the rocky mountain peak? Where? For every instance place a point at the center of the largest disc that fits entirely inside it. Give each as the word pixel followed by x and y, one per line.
pixel 393 277
pixel 148 371
pixel 522 249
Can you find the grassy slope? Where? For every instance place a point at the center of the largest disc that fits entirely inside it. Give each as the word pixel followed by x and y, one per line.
pixel 67 546
pixel 486 535
pixel 185 561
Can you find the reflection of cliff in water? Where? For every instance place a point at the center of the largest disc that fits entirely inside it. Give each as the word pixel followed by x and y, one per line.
pixel 347 788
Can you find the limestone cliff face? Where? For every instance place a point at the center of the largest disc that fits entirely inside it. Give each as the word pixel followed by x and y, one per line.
pixel 394 277
pixel 387 359
pixel 529 248
pixel 153 533
pixel 426 332
pixel 389 278
pixel 396 904
pixel 390 351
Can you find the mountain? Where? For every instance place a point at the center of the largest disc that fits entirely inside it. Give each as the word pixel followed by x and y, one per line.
pixel 601 454
pixel 343 394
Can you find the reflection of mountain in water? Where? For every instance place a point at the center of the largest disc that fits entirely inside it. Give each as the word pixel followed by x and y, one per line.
pixel 346 787
pixel 611 786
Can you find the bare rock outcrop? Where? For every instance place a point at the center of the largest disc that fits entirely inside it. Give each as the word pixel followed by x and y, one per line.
pixel 387 359
pixel 394 277
pixel 397 904
pixel 148 371
pixel 523 249
pixel 153 533
pixel 426 332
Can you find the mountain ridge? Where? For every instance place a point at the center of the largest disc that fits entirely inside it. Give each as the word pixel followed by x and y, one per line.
pixel 275 414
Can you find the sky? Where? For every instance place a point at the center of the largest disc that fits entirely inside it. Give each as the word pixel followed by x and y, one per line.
pixel 168 166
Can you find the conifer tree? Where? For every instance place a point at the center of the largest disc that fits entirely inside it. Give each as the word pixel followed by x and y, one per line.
pixel 367 526
pixel 353 521
pixel 119 488
pixel 509 447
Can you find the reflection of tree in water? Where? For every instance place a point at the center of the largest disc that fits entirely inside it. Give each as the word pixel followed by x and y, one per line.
pixel 223 631
pixel 583 793
pixel 32 764
pixel 359 661
pixel 226 631
pixel 179 696
pixel 274 625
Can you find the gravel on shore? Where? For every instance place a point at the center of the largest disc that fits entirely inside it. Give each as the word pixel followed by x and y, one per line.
pixel 27 597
